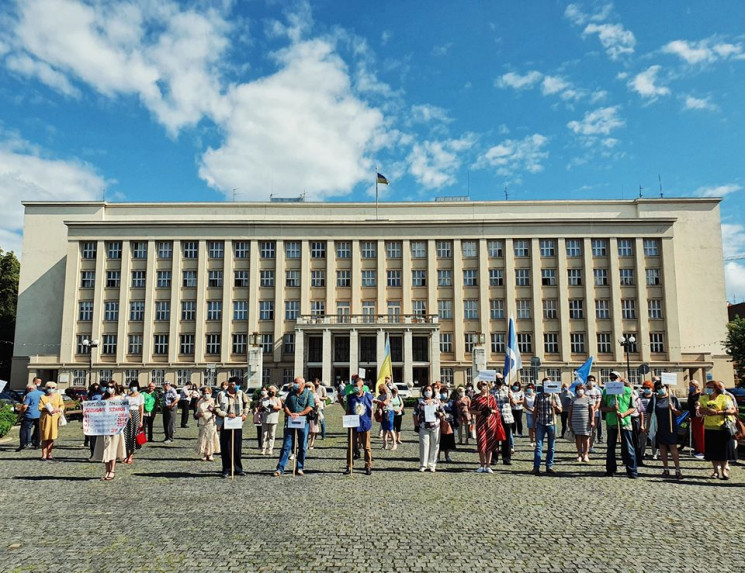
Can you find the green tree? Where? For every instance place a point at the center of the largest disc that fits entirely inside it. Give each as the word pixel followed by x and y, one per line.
pixel 735 345
pixel 10 270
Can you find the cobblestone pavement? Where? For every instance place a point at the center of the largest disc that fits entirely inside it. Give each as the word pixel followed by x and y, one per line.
pixel 170 512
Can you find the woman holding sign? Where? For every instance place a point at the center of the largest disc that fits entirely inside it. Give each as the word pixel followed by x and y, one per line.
pixel 489 430
pixel 427 415
pixel 666 412
pixel 110 448
pixel 52 407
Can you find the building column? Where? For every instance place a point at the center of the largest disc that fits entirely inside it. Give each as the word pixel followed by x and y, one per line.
pixel 279 301
pixel 174 343
pixel 434 354
pixel 299 352
pixel 408 358
pixel 536 282
pixel 327 356
pixel 642 310
pixel 484 309
pixel 354 352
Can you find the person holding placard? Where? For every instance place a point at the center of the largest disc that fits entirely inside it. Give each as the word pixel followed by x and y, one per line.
pixel 581 417
pixel 52 408
pixel 666 409
pixel 427 415
pixel 715 406
pixel 464 416
pixel 270 409
pixel 134 425
pixel 360 404
pixel 111 448
pixel 489 429
pixel 595 394
pixel 618 404
pixel 232 405
pixel 297 404
pixel 503 395
pixel 397 403
pixel 529 406
pixel 205 416
pixel 546 406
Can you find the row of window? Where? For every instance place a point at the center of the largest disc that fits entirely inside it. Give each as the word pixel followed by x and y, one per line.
pixel 214 309
pixel 368 278
pixel 368 249
pixel 551 343
pixel 213 344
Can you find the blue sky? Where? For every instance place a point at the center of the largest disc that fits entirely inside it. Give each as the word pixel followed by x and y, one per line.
pixel 149 100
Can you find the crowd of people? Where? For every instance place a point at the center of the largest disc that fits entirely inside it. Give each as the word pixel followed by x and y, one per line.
pixel 491 414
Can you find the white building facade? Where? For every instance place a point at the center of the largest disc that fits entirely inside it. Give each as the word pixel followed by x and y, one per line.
pixel 201 291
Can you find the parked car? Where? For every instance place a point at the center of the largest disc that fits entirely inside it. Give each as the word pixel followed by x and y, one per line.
pixel 73 408
pixel 11 398
pixel 77 393
pixel 330 394
pixel 404 391
pixel 284 391
pixel 739 394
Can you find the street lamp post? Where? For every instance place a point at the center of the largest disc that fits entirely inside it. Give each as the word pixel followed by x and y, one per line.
pixel 627 341
pixel 90 345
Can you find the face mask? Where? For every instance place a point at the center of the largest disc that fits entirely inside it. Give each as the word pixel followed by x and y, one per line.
pixel 529 392
pixel 133 389
pixel 443 396
pixel 271 393
pixel 661 393
pixel 709 391
pixel 427 393
pixel 590 384
pixel 50 390
pixel 516 388
pixel 296 387
pixel 580 392
pixel 109 390
pixel 647 392
pixel 692 389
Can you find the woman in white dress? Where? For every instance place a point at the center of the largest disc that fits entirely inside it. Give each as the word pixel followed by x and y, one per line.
pixel 109 449
pixel 270 408
pixel 205 414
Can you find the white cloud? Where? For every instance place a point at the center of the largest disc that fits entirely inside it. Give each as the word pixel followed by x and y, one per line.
pixel 645 84
pixel 515 155
pixel 703 52
pixel 616 40
pixel 288 132
pixel 718 191
pixel 518 82
pixel 694 103
pixel 166 56
pixel 733 243
pixel 598 122
pixel 442 50
pixel 426 113
pixel 734 279
pixel 554 84
pixel 434 163
pixel 26 175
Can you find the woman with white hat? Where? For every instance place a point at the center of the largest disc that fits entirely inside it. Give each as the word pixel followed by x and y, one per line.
pixel 52 407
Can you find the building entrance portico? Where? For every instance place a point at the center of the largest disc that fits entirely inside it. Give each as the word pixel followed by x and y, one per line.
pixel 338 346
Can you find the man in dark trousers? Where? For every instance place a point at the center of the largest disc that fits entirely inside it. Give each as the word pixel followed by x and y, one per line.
pixel 298 403
pixel 360 404
pixel 231 403
pixel 184 402
pixel 168 407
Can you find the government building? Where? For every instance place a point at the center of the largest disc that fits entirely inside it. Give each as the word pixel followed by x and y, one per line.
pixel 197 292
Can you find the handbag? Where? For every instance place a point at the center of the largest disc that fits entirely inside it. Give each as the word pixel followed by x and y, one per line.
pixel 62 420
pixel 730 426
pixel 141 438
pixel 378 416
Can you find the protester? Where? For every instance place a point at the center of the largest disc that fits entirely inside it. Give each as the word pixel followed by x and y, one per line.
pixel 518 403
pixel 52 408
pixel 184 403
pixel 384 414
pixel 29 434
pixel 595 394
pixel 464 416
pixel 615 407
pixel 321 396
pixel 397 404
pixel 645 400
pixel 544 422
pixel 638 431
pixel 169 402
pixel 205 415
pixel 298 403
pixel 313 425
pixel 232 403
pixel 696 422
pixel 666 409
pixel 149 398
pixel 529 406
pixel 566 397
pixel 360 403
pixel 271 406
pixel 427 416
pixel 504 402
pixel 715 406
pixel 489 427
pixel 581 417
pixel 134 425
pixel 109 449
pixel 94 393
pixel 448 425
pixel 263 394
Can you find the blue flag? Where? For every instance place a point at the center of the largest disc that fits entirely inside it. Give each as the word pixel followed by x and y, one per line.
pixel 512 360
pixel 581 373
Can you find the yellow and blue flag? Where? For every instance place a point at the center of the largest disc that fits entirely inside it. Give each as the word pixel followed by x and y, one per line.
pixel 385 366
pixel 382 179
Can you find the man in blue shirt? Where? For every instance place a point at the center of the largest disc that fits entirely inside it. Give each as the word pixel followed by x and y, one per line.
pixel 298 403
pixel 360 404
pixel 31 415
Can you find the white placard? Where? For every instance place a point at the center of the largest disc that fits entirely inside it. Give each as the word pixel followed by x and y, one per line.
pixel 669 378
pixel 104 417
pixel 232 423
pixel 614 388
pixel 429 413
pixel 350 421
pixel 361 373
pixel 488 375
pixel 3 384
pixel 551 387
pixel 296 423
pixel 63 378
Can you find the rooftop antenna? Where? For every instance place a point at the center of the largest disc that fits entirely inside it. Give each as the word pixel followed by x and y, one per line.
pixel 468 180
pixel 506 197
pixel 640 190
pixel 659 178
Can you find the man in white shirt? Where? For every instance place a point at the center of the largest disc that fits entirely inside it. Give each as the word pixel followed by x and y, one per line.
pixel 595 394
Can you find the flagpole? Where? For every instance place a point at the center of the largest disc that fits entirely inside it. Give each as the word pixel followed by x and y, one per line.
pixel 376 194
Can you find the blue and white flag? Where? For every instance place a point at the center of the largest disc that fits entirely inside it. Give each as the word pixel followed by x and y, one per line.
pixel 512 360
pixel 581 373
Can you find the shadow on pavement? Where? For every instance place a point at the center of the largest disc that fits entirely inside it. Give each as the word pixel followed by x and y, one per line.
pixel 55 478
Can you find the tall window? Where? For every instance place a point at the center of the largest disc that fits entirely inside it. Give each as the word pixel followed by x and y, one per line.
pixel 522 248
pixel 163 279
pixel 551 343
pixel 113 279
pixel 292 249
pixel 600 276
pixel 240 278
pixel 548 247
pixel 242 249
pixel 653 277
pixel 497 342
pixel 654 305
pixel 114 249
pixel 214 310
pixel 445 309
pixel 317 307
pixel 444 277
pixel 599 248
pixel 267 344
pixel 470 309
pixel 523 307
pixel 471 339
pixel 289 344
pixel 470 277
pixel 393 278
pixel 368 278
pixel 577 342
pixel 212 343
pixel 576 308
pixel 548 277
pixel 522 277
pixel 549 308
pixel 418 249
pixel 393 249
pixel 216 249
pixel 574 248
pixel 657 342
pixel 444 249
pixel 625 248
pixel 469 249
pixel 604 343
pixel 343 249
pixel 190 249
pixel 87 279
pixel 186 344
pixel 496 308
pixel 394 311
pixel 111 311
pixel 85 310
pixel 525 342
pixel 266 310
pixel 214 278
pixel 292 309
pixel 368 311
pixel 369 249
pixel 496 277
pixel 419 307
pixel 240 310
pixel 342 311
pixel 138 279
pixel 189 279
pixel 651 247
pixel 240 343
pixel 188 310
pixel 446 376
pixel 446 342
pixel 88 250
pixel 139 249
pixel 574 277
pixel 602 308
pixel 134 344
pixel 137 310
pixel 164 249
pixel 318 278
pixel 343 278
pixel 627 277
pixel 292 278
pixel 628 308
pixel 318 250
pixel 267 249
pixel 418 278
pixel 160 344
pixel 495 248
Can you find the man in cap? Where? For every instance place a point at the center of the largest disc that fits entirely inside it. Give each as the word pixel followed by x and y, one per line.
pixel 503 395
pixel 232 403
pixel 618 410
pixel 360 404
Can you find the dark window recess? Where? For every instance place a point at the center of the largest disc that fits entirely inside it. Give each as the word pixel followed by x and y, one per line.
pixel 368 349
pixel 421 377
pixel 315 349
pixel 341 349
pixel 397 348
pixel 420 348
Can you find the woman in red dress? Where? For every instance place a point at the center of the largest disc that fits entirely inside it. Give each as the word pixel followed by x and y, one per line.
pixel 489 428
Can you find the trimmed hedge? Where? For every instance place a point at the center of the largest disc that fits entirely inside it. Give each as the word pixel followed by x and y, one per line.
pixel 8 419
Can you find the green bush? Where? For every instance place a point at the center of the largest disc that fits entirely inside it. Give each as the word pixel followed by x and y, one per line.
pixel 8 419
